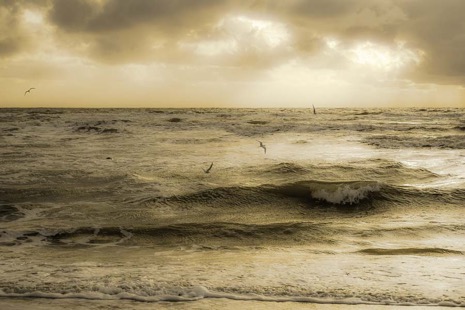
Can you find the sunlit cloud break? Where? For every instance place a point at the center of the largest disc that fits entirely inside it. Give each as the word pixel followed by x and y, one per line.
pixel 384 57
pixel 378 56
pixel 240 34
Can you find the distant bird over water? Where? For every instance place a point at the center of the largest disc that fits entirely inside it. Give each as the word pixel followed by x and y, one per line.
pixel 314 110
pixel 262 146
pixel 28 91
pixel 209 168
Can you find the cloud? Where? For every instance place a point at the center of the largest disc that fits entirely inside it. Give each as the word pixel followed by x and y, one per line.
pixel 242 41
pixel 115 15
pixel 15 36
pixel 250 34
pixel 438 28
pixel 73 15
pixel 119 31
pixel 12 39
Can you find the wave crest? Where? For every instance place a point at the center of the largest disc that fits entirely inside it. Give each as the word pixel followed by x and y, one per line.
pixel 339 193
pixel 346 193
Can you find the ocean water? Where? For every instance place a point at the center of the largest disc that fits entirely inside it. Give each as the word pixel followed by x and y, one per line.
pixel 347 207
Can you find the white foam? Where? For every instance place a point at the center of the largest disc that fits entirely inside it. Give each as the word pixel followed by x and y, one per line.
pixel 199 292
pixel 345 194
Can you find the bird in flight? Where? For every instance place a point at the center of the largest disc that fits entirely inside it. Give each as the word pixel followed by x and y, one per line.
pixel 314 110
pixel 209 168
pixel 28 91
pixel 262 146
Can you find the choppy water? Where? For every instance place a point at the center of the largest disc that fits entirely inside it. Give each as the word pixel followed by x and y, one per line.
pixel 348 206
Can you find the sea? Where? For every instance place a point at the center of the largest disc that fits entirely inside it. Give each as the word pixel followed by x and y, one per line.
pixel 118 209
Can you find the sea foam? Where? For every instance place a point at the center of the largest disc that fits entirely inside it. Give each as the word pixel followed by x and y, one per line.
pixel 340 193
pixel 345 193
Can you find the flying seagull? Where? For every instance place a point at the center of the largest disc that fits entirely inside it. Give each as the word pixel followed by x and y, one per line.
pixel 209 168
pixel 314 110
pixel 262 146
pixel 28 91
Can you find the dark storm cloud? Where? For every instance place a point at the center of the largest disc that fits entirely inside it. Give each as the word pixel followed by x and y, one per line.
pixel 9 46
pixel 14 39
pixel 11 39
pixel 316 8
pixel 438 27
pixel 73 15
pixel 127 31
pixel 114 15
pixel 350 19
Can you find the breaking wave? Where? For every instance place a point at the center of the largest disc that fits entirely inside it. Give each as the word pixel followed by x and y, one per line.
pixel 350 194
pixel 337 193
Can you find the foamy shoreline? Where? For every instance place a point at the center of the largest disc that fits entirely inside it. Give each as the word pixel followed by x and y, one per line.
pixel 226 304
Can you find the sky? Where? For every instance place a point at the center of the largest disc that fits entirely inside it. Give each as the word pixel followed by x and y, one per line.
pixel 225 53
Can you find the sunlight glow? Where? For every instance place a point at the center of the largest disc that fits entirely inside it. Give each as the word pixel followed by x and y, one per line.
pixel 331 43
pixel 238 33
pixel 375 56
pixel 33 17
pixel 383 57
pixel 270 33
